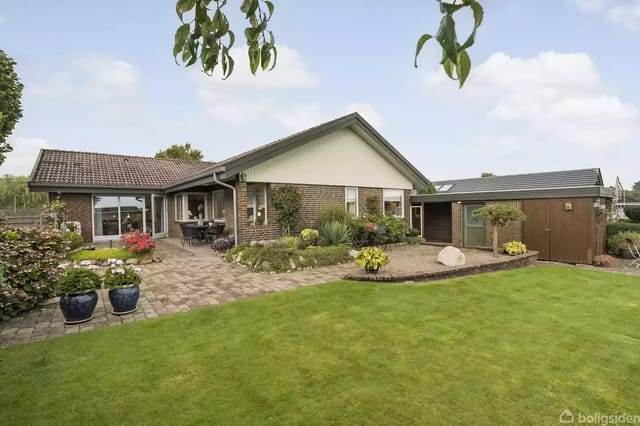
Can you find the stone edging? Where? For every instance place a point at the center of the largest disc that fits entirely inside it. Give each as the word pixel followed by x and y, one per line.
pixel 530 258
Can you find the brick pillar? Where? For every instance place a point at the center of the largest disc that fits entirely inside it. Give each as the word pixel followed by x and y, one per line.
pixel 241 200
pixel 456 224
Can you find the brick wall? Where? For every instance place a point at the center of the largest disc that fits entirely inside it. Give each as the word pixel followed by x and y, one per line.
pixel 456 224
pixel 78 208
pixel 511 232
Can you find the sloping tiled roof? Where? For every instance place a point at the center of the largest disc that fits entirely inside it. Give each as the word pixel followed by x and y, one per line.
pixel 354 120
pixel 96 170
pixel 548 180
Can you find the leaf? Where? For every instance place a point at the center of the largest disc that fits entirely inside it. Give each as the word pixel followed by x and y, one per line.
pixel 448 68
pixel 421 41
pixel 254 57
pixel 449 7
pixel 478 17
pixel 271 8
pixel 275 55
pixel 463 67
pixel 232 38
pixel 446 36
pixel 253 7
pixel 244 7
pixel 180 38
pixel 231 64
pixel 183 6
pixel 265 56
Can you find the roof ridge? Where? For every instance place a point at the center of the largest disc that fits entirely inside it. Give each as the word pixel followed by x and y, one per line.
pixel 125 155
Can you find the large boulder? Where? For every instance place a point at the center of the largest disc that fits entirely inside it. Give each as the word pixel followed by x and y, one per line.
pixel 451 256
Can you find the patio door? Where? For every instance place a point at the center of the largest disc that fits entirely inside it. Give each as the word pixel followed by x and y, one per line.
pixel 473 227
pixel 158 216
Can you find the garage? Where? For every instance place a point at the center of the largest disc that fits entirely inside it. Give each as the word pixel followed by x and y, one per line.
pixel 566 212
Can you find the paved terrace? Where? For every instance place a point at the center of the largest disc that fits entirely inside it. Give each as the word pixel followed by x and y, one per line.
pixel 193 277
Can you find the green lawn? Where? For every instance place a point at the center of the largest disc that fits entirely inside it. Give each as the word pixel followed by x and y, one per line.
pixel 511 347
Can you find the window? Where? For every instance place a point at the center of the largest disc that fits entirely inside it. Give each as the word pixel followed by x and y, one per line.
pixel 393 202
pixel 351 200
pixel 114 215
pixel 218 204
pixel 257 204
pixel 192 206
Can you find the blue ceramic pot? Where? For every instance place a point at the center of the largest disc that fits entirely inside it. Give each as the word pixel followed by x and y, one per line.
pixel 78 308
pixel 124 300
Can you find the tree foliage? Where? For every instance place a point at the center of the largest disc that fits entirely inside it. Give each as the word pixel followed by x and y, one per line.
pixel 287 202
pixel 498 215
pixel 180 152
pixel 487 174
pixel 429 189
pixel 206 35
pixel 10 104
pixel 633 213
pixel 636 187
pixel 14 189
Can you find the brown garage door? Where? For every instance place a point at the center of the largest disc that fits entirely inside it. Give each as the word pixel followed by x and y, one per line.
pixel 437 222
pixel 560 229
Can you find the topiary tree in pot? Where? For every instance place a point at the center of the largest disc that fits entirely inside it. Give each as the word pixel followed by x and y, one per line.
pixel 499 215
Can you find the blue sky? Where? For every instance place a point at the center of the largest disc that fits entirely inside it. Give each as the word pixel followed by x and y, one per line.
pixel 554 84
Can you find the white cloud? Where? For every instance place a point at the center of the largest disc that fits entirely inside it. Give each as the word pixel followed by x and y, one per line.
pixel 560 94
pixel 626 16
pixel 91 77
pixel 244 98
pixel 20 161
pixel 621 13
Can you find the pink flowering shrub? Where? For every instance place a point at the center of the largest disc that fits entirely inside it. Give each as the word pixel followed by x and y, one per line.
pixel 29 273
pixel 604 260
pixel 138 242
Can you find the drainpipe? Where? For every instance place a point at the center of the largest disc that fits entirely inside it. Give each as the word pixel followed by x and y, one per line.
pixel 235 205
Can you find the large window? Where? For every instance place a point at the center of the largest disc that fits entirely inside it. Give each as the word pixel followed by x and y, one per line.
pixel 191 206
pixel 218 205
pixel 351 200
pixel 393 202
pixel 113 215
pixel 257 204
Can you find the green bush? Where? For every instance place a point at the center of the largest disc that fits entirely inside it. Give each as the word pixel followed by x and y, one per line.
pixel 366 230
pixel 102 255
pixel 75 241
pixel 266 259
pixel 633 213
pixel 617 227
pixel 287 201
pixel 332 213
pixel 232 252
pixel 619 241
pixel 78 280
pixel 413 232
pixel 30 270
pixel 334 233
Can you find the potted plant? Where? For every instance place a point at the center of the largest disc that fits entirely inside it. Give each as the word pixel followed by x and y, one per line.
pixel 617 244
pixel 78 298
pixel 371 259
pixel 123 282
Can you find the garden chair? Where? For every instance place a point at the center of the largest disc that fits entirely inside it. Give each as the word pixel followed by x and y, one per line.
pixel 633 248
pixel 189 235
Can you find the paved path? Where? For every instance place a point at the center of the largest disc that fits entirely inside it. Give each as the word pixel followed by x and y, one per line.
pixel 185 279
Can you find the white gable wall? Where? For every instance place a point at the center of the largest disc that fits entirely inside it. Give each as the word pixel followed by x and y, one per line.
pixel 341 158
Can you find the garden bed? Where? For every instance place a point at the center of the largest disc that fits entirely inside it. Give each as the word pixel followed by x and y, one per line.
pixel 272 259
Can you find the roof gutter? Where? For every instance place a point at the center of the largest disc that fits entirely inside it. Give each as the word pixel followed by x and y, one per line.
pixel 235 204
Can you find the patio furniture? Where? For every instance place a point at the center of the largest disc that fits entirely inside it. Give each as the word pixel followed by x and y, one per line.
pixel 381 237
pixel 192 233
pixel 214 231
pixel 635 252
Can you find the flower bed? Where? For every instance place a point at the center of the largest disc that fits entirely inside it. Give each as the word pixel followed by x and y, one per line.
pixel 270 259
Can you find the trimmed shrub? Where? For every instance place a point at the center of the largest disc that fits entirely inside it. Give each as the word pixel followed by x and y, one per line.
pixel 287 202
pixel 617 227
pixel 334 233
pixel 633 213
pixel 619 241
pixel 310 236
pixel 224 243
pixel 30 272
pixel 332 213
pixel 75 241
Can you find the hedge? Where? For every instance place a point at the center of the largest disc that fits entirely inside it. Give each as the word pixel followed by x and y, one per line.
pixel 266 259
pixel 617 227
pixel 29 259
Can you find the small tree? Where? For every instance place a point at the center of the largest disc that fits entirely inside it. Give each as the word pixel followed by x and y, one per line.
pixel 373 204
pixel 180 152
pixel 286 202
pixel 429 189
pixel 498 215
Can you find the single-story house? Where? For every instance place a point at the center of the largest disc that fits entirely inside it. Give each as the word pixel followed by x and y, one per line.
pixel 566 212
pixel 344 161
